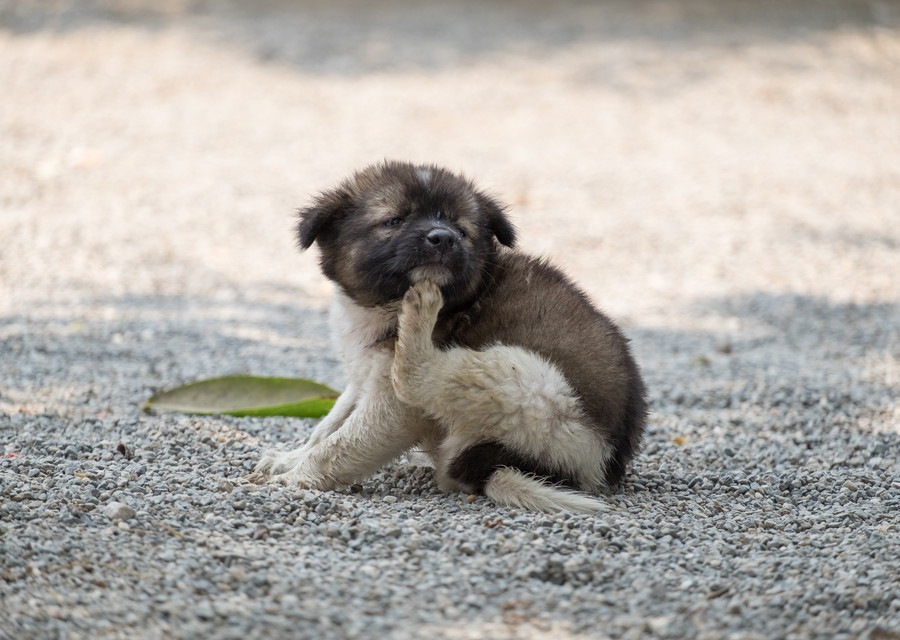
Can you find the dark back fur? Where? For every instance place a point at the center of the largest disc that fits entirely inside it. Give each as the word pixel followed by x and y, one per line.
pixel 550 316
pixel 496 295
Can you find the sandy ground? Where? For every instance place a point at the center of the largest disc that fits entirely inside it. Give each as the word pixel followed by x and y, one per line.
pixel 721 177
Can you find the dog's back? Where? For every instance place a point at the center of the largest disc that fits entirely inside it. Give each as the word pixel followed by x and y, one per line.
pixel 531 304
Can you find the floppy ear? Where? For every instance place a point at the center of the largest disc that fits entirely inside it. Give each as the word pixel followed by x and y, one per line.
pixel 497 222
pixel 318 218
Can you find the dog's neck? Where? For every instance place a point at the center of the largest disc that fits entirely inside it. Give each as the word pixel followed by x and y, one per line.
pixel 362 327
pixel 359 327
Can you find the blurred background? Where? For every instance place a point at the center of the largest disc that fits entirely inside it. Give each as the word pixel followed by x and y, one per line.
pixel 721 176
pixel 696 165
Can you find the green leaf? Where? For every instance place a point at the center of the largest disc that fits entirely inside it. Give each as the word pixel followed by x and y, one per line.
pixel 243 395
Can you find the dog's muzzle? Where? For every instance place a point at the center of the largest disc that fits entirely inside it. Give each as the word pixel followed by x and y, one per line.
pixel 439 256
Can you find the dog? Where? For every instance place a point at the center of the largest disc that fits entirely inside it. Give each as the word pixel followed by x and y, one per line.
pixel 490 361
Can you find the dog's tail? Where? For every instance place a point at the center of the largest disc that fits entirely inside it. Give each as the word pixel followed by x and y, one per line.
pixel 509 486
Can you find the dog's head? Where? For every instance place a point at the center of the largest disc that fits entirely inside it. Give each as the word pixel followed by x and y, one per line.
pixel 395 223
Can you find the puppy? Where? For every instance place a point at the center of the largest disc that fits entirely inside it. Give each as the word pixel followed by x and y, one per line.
pixel 490 361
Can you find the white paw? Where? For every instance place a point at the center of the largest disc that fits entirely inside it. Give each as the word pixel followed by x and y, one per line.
pixel 292 468
pixel 276 462
pixel 300 478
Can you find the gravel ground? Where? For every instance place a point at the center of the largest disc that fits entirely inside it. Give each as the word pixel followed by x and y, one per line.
pixel 722 177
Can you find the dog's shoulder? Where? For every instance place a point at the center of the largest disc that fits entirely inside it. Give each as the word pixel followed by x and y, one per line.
pixel 530 302
pixel 534 305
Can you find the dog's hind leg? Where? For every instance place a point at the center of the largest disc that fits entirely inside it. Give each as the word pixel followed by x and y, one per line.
pixel 504 407
pixel 415 350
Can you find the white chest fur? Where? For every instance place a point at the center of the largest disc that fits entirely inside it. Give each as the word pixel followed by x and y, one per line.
pixel 356 331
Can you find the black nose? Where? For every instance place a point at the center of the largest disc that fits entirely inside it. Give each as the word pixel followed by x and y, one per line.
pixel 440 238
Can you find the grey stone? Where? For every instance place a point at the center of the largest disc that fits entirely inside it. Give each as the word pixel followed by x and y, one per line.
pixel 118 511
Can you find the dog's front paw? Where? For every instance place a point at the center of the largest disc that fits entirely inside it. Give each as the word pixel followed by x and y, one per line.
pixel 423 299
pixel 292 468
pixel 274 462
pixel 300 478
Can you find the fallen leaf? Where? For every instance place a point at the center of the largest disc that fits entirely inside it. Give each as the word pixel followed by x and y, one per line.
pixel 244 395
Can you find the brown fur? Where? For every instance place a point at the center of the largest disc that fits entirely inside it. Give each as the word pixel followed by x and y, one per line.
pixel 372 231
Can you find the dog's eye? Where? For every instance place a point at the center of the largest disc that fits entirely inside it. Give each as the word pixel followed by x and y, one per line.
pixel 393 222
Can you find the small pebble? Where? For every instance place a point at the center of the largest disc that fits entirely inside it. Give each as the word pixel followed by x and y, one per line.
pixel 119 511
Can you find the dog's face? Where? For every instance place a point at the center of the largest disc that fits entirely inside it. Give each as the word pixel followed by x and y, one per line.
pixel 395 223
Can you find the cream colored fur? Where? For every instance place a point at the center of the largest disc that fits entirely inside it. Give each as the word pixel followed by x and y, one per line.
pixel 504 394
pixel 368 426
pixel 513 488
pixel 444 401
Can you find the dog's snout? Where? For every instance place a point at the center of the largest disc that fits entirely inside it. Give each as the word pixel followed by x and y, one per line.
pixel 440 238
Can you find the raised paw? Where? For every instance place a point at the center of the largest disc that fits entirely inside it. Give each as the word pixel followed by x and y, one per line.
pixel 415 348
pixel 423 299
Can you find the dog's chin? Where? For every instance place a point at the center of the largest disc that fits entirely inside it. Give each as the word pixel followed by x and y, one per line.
pixel 436 273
